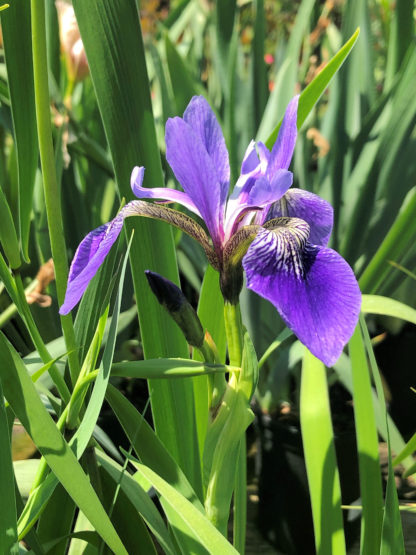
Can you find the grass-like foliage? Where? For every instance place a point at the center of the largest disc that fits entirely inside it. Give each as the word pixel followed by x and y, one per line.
pixel 137 400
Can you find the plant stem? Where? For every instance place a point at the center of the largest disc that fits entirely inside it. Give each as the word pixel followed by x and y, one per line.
pixel 234 333
pixel 50 185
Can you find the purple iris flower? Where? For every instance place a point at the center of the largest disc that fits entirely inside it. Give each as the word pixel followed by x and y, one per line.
pixel 276 234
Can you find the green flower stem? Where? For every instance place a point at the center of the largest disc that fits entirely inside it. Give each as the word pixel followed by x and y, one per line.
pixel 44 354
pixel 216 382
pixel 235 341
pixel 234 333
pixel 50 185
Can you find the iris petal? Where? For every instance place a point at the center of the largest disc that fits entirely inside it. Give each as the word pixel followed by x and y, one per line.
pixel 200 117
pixel 164 193
pixel 265 192
pixel 312 287
pixel 317 212
pixel 89 256
pixel 195 171
pixel 284 146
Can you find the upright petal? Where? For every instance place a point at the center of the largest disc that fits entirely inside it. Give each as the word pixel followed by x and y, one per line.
pixel 282 151
pixel 312 287
pixel 317 212
pixel 89 256
pixel 163 193
pixel 265 192
pixel 195 171
pixel 200 117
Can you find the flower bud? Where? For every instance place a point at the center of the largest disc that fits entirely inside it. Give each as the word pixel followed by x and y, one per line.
pixel 71 42
pixel 175 302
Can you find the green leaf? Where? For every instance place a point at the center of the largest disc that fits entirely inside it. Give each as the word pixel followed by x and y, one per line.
pixel 407 450
pixel 183 84
pixel 17 38
pixel 399 236
pixel 376 304
pixel 392 535
pixel 8 518
pixel 211 314
pixel 148 446
pixel 111 34
pixel 320 458
pixel 152 452
pixel 401 36
pixel 56 521
pixel 259 78
pixel 367 441
pixel 194 522
pixel 140 499
pixel 317 86
pixel 26 404
pixel 286 76
pixel 165 368
pixel 127 521
pixel 8 237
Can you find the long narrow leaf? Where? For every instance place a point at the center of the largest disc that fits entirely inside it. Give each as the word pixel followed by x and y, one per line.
pixel 112 37
pixel 208 538
pixel 8 519
pixel 28 407
pixel 18 49
pixel 320 458
pixel 367 440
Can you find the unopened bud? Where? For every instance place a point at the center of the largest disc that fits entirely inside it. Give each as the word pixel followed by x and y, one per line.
pixel 171 297
pixel 71 42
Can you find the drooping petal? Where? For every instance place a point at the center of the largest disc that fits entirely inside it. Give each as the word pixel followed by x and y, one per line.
pixel 317 212
pixel 200 117
pixel 163 193
pixel 195 171
pixel 89 256
pixel 312 287
pixel 282 151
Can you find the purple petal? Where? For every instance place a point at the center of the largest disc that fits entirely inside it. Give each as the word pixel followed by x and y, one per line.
pixel 164 193
pixel 265 192
pixel 88 258
pixel 317 212
pixel 313 288
pixel 282 151
pixel 200 117
pixel 195 171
